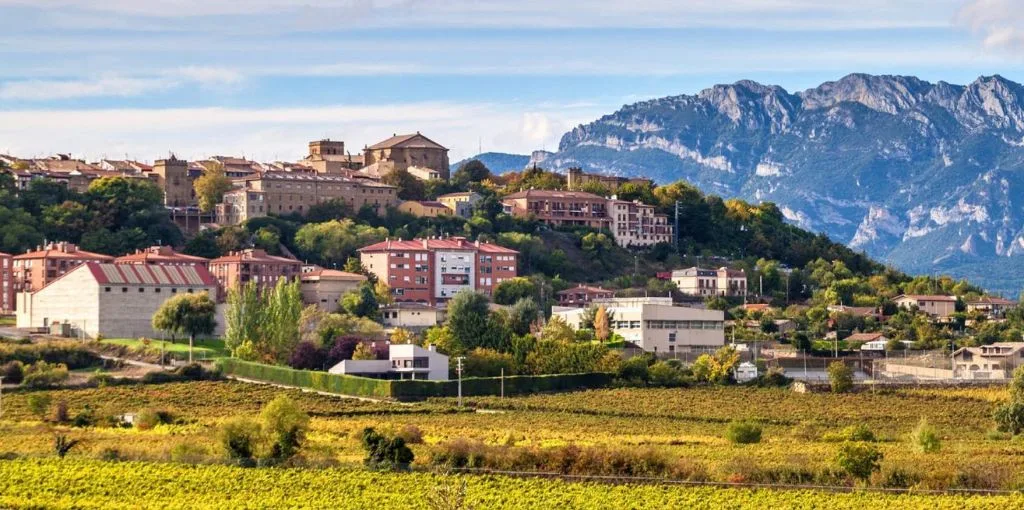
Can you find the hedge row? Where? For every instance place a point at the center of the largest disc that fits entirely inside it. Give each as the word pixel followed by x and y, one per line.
pixel 72 354
pixel 411 389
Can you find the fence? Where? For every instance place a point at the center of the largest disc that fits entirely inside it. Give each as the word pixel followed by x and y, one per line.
pixel 408 389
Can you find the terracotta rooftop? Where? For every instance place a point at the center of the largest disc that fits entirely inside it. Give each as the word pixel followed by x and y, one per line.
pixel 454 243
pixel 586 288
pixel 138 274
pixel 547 193
pixel 331 274
pixel 63 251
pixel 921 297
pixel 159 255
pixel 864 337
pixel 253 255
pixel 992 300
pixel 414 140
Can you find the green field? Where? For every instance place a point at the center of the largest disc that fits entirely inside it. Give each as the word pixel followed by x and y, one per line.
pixel 202 349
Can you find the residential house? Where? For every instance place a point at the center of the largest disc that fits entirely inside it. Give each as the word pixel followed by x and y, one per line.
pixel 857 311
pixel 162 256
pixel 233 167
pixel 6 283
pixel 695 281
pixel 252 265
pixel 993 307
pixel 576 178
pixel 433 270
pixel 415 153
pixel 636 224
pixel 324 287
pixel 34 269
pixel 939 307
pixel 582 295
pixel 405 361
pixel 996 361
pixel 463 203
pixel 869 341
pixel 411 316
pixel 657 325
pixel 424 208
pixel 559 208
pixel 112 300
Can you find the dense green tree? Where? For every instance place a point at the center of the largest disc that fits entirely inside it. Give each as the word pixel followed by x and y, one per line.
pixel 468 314
pixel 470 172
pixel 189 315
pixel 211 186
pixel 409 186
pixel 514 289
pixel 362 302
pixel 333 242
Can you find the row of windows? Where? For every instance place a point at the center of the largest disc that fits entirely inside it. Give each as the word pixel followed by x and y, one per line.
pixel 684 324
pixel 156 290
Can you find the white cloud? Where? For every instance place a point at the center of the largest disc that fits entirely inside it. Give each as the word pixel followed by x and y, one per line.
pixel 281 133
pixel 117 86
pixel 999 23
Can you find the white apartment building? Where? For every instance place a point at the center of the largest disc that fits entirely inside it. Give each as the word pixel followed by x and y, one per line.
pixel 636 224
pixel 657 325
pixel 695 281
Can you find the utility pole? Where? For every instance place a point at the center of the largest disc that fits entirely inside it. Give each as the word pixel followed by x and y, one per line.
pixel 458 370
pixel 1 396
pixel 502 382
pixel 675 231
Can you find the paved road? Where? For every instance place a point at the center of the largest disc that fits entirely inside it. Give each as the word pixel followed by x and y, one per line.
pixel 12 332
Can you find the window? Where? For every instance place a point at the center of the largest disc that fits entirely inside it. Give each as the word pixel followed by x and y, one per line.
pixel 174 291
pixel 672 337
pixel 141 289
pixel 106 289
pixel 124 289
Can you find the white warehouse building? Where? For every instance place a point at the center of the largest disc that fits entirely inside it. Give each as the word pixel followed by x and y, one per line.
pixel 656 324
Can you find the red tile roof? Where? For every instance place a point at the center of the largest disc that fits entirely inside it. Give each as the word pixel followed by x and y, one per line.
pixel 586 288
pixel 992 300
pixel 253 256
pixel 435 244
pixel 547 193
pixel 54 251
pixel 331 274
pixel 140 274
pixel 864 337
pixel 921 297
pixel 159 255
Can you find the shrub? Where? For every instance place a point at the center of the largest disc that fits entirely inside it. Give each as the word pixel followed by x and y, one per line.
pixel 188 453
pixel 743 432
pixel 45 375
pixel 74 355
pixel 147 419
pixel 62 445
pixel 840 377
pixel 86 418
pixel 239 438
pixel 307 356
pixel 190 372
pixel 775 377
pixel 664 374
pixel 286 426
pixel 383 452
pixel 859 460
pixel 634 370
pixel 899 479
pixel 12 372
pixel 1010 417
pixel 110 454
pixel 411 434
pixel 481 362
pixel 926 438
pixel 60 413
pixel 858 432
pixel 39 405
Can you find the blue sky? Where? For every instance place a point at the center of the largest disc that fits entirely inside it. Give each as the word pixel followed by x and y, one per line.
pixel 109 78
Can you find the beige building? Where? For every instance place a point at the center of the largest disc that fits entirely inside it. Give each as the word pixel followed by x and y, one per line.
pixel 559 208
pixel 636 224
pixel 463 203
pixel 161 256
pixel 411 316
pixel 6 283
pixel 695 281
pixel 424 208
pixel 112 300
pixel 657 325
pixel 939 307
pixel 996 361
pixel 415 153
pixel 252 265
pixel 328 157
pixel 292 192
pixel 239 205
pixel 172 175
pixel 324 287
pixel 576 178
pixel 992 307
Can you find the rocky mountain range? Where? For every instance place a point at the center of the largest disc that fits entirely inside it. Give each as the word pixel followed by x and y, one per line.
pixel 926 176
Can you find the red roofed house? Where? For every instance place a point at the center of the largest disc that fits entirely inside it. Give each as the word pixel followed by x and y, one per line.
pixel 559 208
pixel 324 287
pixel 162 256
pixel 434 270
pixel 937 306
pixel 993 307
pixel 425 208
pixel 582 295
pixel 112 300
pixel 241 267
pixel 35 269
pixel 6 283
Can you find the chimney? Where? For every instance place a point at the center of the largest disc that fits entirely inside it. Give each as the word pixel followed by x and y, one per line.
pixel 425 244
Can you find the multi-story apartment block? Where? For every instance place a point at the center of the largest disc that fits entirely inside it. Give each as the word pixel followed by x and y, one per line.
pixel 325 287
pixel 415 153
pixel 253 265
pixel 172 175
pixel 240 204
pixel 636 224
pixel 939 307
pixel 293 192
pixel 559 208
pixel 434 270
pixel 34 269
pixel 6 283
pixel 161 256
pixel 723 281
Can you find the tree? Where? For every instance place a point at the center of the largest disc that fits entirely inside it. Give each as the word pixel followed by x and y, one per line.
pixel 361 302
pixel 473 171
pixel 409 187
pixel 925 437
pixel 211 186
pixel 468 314
pixel 363 352
pixel 243 316
pixel 286 424
pixel 522 315
pixel 383 452
pixel 601 326
pixel 333 242
pixel 383 293
pixel 859 460
pixel 280 326
pixel 514 289
pixel 187 314
pixel 840 377
pixel 716 368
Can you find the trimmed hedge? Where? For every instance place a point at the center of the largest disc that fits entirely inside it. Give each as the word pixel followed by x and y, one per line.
pixel 411 389
pixel 73 354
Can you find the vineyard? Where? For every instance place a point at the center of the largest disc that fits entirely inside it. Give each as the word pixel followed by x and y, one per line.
pixel 674 433
pixel 89 484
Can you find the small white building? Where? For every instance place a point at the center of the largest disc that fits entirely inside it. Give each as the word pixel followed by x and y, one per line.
pixel 411 316
pixel 656 325
pixel 746 371
pixel 405 361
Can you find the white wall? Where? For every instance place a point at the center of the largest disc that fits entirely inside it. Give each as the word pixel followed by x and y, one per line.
pixel 447 261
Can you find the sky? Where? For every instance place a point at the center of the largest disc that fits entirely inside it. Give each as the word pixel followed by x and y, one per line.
pixel 261 78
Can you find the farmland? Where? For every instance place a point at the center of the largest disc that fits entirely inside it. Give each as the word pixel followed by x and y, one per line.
pixel 675 433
